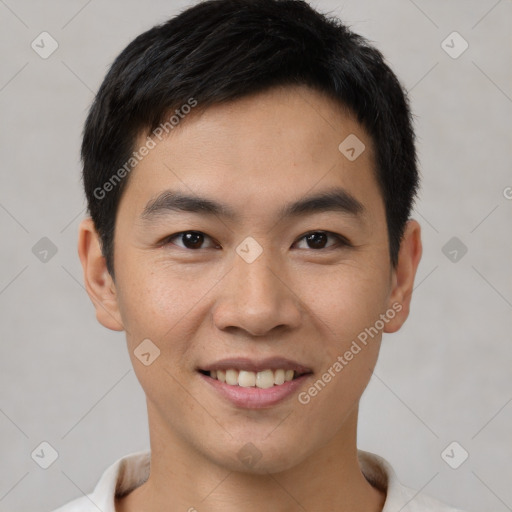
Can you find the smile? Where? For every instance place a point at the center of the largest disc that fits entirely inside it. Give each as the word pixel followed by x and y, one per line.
pixel 248 379
pixel 255 384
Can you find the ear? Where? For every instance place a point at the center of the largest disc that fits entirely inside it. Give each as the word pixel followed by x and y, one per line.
pixel 403 275
pixel 98 282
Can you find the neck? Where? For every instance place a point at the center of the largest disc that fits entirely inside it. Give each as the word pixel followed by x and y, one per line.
pixel 182 479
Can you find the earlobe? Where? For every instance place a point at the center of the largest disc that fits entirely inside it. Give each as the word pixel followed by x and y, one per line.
pixel 403 275
pixel 97 280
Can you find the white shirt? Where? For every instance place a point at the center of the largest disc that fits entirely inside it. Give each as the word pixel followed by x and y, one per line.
pixel 131 471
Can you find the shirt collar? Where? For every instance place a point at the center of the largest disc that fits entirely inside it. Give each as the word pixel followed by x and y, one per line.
pixel 131 471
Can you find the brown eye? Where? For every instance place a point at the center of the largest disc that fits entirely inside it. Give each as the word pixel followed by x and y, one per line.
pixel 189 239
pixel 318 240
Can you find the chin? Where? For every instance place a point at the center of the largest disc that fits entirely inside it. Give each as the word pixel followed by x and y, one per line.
pixel 261 458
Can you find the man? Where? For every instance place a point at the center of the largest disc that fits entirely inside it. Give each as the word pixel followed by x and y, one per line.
pixel 250 170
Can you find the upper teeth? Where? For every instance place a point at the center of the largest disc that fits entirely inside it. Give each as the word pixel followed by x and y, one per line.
pixel 264 379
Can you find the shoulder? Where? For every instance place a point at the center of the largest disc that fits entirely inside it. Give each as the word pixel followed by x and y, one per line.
pixel 415 501
pixel 380 474
pixel 124 475
pixel 82 504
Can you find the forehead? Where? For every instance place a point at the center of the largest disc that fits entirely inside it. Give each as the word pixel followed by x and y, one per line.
pixel 259 152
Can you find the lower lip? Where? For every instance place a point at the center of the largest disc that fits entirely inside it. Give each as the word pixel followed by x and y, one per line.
pixel 255 398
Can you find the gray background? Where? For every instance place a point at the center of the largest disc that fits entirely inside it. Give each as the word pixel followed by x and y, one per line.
pixel 446 376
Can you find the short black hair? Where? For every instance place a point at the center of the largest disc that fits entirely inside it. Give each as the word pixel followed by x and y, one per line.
pixel 222 50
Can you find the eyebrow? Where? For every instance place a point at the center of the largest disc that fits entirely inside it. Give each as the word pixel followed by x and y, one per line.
pixel 334 200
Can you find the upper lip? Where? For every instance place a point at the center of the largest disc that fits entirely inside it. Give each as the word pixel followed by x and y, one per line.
pixel 256 365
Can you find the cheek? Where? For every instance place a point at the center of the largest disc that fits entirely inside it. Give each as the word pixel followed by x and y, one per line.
pixel 159 306
pixel 347 298
pixel 348 305
pixel 161 302
pixel 348 302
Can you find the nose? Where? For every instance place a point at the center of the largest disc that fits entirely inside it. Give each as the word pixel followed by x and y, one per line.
pixel 257 298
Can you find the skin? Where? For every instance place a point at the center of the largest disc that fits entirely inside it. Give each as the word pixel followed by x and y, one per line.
pixel 201 305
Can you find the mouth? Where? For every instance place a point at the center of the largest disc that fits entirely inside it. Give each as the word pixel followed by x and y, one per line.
pixel 249 373
pixel 248 379
pixel 248 384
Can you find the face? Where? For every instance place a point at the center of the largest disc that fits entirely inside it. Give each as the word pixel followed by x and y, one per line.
pixel 265 275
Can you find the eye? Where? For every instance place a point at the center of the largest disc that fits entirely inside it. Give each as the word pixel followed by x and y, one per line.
pixel 190 239
pixel 317 240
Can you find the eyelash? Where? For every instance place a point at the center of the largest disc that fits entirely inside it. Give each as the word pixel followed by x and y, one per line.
pixel 342 242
